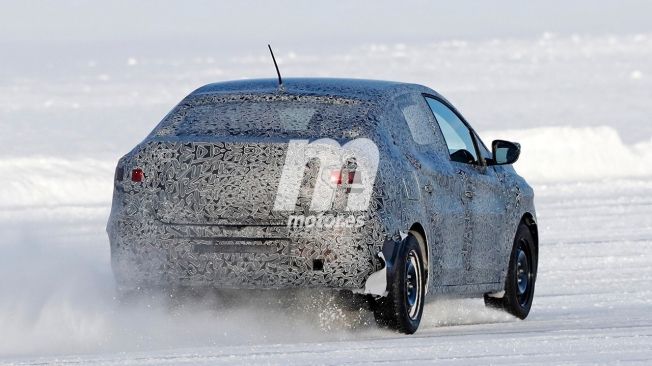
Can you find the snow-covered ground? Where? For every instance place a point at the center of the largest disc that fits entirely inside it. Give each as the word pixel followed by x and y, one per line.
pixel 593 301
pixel 579 106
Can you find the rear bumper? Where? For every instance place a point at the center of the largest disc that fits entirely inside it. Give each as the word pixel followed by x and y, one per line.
pixel 149 253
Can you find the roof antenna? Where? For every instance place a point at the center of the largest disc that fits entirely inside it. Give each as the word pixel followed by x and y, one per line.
pixel 280 81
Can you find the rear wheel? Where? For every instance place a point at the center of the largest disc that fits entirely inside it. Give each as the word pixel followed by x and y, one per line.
pixel 521 276
pixel 402 308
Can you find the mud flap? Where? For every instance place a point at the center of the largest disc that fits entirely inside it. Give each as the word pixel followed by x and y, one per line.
pixel 377 283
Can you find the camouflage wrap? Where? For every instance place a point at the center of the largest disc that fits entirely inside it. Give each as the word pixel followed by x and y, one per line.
pixel 204 214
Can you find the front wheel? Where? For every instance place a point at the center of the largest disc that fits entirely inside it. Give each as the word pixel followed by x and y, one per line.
pixel 401 310
pixel 521 276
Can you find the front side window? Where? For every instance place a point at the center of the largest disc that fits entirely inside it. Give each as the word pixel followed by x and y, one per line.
pixel 457 135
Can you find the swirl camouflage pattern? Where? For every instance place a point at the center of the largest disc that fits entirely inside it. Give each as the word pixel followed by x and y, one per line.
pixel 193 203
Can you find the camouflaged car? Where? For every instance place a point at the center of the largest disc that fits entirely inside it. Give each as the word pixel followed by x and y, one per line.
pixel 375 188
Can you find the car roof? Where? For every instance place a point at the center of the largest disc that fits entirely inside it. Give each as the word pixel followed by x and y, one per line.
pixel 361 89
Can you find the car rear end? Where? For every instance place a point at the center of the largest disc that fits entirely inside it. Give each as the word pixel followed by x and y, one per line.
pixel 194 204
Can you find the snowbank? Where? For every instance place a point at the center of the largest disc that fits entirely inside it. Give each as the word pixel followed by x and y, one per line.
pixel 549 154
pixel 45 181
pixel 564 154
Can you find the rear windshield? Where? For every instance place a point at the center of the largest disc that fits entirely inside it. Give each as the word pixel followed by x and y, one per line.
pixel 267 115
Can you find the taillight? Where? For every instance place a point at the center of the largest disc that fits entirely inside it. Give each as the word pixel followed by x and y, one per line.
pixel 337 176
pixel 137 175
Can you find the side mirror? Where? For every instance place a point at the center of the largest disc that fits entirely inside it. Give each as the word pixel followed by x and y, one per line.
pixel 505 152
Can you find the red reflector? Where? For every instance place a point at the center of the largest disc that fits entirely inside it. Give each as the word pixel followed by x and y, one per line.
pixel 137 175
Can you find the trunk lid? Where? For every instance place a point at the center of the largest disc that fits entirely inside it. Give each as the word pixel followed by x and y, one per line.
pixel 205 183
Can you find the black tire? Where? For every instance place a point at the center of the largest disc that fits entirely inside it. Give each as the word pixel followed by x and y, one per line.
pixel 521 276
pixel 402 308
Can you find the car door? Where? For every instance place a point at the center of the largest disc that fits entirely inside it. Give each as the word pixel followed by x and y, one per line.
pixel 488 206
pixel 439 191
pixel 480 195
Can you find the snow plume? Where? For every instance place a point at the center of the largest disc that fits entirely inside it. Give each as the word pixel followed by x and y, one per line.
pixel 58 297
pixel 57 301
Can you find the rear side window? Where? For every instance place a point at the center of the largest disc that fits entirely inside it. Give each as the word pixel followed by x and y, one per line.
pixel 417 118
pixel 417 122
pixel 457 135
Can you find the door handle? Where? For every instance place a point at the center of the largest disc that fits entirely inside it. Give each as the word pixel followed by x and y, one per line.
pixel 427 188
pixel 468 194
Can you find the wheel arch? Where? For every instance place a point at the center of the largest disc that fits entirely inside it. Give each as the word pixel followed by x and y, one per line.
pixel 419 233
pixel 531 223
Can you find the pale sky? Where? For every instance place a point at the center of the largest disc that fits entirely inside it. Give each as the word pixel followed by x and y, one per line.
pixel 248 23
